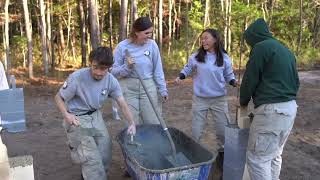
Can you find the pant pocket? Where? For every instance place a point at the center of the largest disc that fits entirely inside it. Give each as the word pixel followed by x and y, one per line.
pixel 265 143
pixel 286 111
pixel 76 152
pixel 75 145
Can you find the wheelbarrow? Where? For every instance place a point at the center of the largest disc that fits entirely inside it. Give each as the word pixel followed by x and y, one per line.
pixel 150 162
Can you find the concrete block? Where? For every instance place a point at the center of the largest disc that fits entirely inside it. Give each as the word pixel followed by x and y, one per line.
pixel 21 168
pixel 12 110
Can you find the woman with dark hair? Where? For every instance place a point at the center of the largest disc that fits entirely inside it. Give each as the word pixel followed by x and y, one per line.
pixel 212 70
pixel 141 53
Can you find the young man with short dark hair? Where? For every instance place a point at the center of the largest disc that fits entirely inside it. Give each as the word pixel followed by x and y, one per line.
pixel 80 100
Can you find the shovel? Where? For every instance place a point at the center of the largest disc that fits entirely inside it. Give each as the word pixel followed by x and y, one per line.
pixel 177 159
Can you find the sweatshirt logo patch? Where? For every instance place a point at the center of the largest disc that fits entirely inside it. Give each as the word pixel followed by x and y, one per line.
pixel 65 85
pixel 103 92
pixel 146 53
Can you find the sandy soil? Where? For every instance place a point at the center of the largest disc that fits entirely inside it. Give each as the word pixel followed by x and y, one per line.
pixel 45 138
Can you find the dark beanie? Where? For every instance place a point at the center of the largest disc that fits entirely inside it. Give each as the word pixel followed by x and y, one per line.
pixel 142 23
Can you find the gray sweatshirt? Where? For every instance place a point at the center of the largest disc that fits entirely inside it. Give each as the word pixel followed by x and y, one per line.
pixel 209 80
pixel 147 62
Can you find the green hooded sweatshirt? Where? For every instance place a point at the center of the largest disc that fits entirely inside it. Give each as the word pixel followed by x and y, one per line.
pixel 271 75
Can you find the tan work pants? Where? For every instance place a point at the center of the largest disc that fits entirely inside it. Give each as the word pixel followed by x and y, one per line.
pixel 90 145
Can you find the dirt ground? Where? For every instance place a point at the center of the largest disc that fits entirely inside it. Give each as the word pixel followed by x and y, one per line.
pixel 45 138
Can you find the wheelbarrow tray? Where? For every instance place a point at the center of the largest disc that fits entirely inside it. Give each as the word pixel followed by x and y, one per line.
pixel 144 166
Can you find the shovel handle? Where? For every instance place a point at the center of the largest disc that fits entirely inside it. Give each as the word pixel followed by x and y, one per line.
pixel 163 124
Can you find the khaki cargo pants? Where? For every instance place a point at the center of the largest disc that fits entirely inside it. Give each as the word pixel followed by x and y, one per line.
pixel 90 145
pixel 269 132
pixel 138 101
pixel 218 106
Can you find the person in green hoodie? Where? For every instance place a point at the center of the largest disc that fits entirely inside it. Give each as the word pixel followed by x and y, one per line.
pixel 271 81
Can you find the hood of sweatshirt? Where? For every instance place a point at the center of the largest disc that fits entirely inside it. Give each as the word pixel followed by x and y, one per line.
pixel 258 31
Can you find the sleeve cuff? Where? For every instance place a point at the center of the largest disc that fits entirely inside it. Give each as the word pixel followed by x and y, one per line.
pixel 182 76
pixel 232 82
pixel 164 93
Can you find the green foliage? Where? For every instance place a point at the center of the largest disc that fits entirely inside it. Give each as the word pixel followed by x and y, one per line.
pixel 196 14
pixel 143 8
pixel 19 42
pixel 283 18
pixel 309 58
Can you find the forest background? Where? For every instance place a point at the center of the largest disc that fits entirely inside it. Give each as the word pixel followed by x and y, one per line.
pixel 42 37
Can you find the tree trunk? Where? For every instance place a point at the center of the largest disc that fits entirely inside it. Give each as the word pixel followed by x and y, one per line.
pixel 94 25
pixel 128 20
pixel 73 39
pixel 271 7
pixel 53 56
pixel 123 20
pixel 6 30
pixel 263 10
pixel 170 26
pixel 82 22
pixel 66 51
pixel 300 29
pixel 187 24
pixel 102 18
pixel 49 32
pixel 177 31
pixel 155 20
pixel 316 28
pixel 43 37
pixel 28 26
pixel 134 14
pixel 110 23
pixel 226 23
pixel 175 19
pixel 206 22
pixel 53 38
pixel 62 41
pixel 229 26
pixel 160 24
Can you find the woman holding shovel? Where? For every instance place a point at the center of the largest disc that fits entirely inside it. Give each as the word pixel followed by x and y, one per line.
pixel 212 70
pixel 140 54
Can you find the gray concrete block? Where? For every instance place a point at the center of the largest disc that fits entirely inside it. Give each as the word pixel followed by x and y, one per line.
pixel 12 110
pixel 21 168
